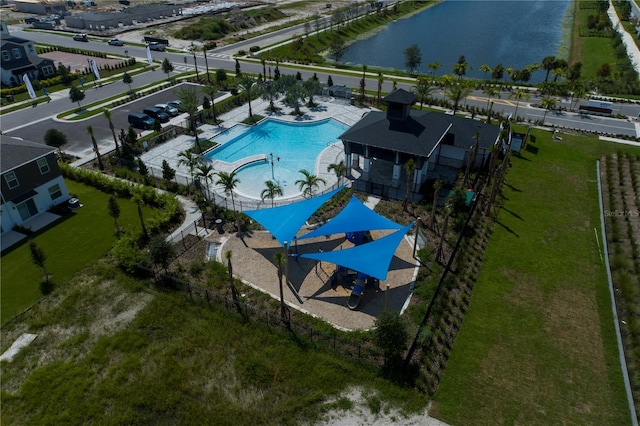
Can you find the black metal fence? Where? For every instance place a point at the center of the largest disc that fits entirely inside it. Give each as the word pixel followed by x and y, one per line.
pixel 361 352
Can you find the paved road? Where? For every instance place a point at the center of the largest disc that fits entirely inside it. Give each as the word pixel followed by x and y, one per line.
pixel 31 123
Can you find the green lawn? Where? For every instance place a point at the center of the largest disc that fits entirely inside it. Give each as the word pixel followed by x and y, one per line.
pixel 71 244
pixel 537 345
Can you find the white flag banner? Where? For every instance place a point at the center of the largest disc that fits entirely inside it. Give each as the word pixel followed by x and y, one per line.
pixel 94 67
pixel 149 57
pixel 27 83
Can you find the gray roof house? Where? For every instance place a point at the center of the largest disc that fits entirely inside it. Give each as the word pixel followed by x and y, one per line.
pixel 30 184
pixel 440 144
pixel 19 57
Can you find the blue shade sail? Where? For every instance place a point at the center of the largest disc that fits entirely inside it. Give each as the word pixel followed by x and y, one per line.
pixel 355 217
pixel 284 222
pixel 371 258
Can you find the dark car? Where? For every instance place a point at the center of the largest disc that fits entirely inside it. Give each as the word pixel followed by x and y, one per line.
pixel 141 121
pixel 80 37
pixel 157 113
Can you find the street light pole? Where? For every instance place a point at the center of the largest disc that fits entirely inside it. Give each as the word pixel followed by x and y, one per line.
pixel 206 64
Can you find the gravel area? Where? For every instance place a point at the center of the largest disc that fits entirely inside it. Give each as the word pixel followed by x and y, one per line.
pixel 253 261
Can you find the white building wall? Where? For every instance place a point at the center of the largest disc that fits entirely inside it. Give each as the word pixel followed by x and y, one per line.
pixel 11 216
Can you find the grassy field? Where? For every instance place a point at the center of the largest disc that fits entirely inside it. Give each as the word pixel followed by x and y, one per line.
pixel 593 52
pixel 71 244
pixel 111 350
pixel 537 345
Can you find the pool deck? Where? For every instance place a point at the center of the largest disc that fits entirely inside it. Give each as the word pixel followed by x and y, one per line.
pixel 327 108
pixel 253 257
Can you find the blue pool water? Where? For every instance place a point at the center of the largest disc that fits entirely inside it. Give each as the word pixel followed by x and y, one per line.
pixel 294 146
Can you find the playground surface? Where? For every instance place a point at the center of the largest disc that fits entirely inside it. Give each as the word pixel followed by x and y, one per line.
pixel 253 261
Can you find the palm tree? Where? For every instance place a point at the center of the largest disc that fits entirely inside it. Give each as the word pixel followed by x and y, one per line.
pixel 107 115
pixel 312 87
pixel 436 192
pixel 486 69
pixel 95 147
pixel 548 64
pixel 191 160
pixel 445 225
pixel 271 191
pixel 490 91
pixel 280 259
pixel 380 82
pixel 410 168
pixel 189 102
pixel 548 103
pixel 456 91
pixel 434 67
pixel 229 181
pixel 422 90
pixel 246 84
pixel 269 91
pixel 518 96
pixel 363 82
pixel 138 198
pixel 339 169
pixel 472 157
pixel 309 183
pixel 211 89
pixel 205 171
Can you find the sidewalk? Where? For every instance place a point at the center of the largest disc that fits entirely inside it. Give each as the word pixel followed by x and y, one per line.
pixel 627 39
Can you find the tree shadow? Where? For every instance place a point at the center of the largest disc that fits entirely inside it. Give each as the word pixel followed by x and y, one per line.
pixel 508 229
pixel 513 188
pixel 516 215
pixel 532 149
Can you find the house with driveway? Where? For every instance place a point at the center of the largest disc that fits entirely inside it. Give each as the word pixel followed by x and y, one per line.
pixel 382 142
pixel 30 183
pixel 19 57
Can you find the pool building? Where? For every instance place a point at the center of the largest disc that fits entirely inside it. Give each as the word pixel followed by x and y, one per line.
pixel 440 144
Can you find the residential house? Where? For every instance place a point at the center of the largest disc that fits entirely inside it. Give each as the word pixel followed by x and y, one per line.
pixel 440 145
pixel 30 182
pixel 19 57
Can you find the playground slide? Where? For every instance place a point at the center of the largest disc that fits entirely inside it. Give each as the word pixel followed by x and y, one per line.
pixel 357 292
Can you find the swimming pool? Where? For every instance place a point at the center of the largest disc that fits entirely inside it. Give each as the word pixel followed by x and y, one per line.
pixel 294 146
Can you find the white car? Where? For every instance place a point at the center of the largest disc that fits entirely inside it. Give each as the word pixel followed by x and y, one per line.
pixel 176 104
pixel 116 42
pixel 154 45
pixel 171 110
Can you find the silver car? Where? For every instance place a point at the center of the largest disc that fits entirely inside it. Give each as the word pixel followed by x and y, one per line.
pixel 170 109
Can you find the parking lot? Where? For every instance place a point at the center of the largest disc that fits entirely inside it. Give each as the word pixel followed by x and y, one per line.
pixel 79 140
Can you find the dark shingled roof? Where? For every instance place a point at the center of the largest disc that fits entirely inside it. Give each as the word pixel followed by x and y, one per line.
pixel 15 152
pixel 420 133
pixel 400 96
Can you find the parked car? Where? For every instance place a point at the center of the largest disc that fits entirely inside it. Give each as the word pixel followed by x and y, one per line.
pixel 116 42
pixel 80 37
pixel 169 109
pixel 141 121
pixel 157 113
pixel 177 104
pixel 157 46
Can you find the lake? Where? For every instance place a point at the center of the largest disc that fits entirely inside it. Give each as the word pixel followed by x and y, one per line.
pixel 514 33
